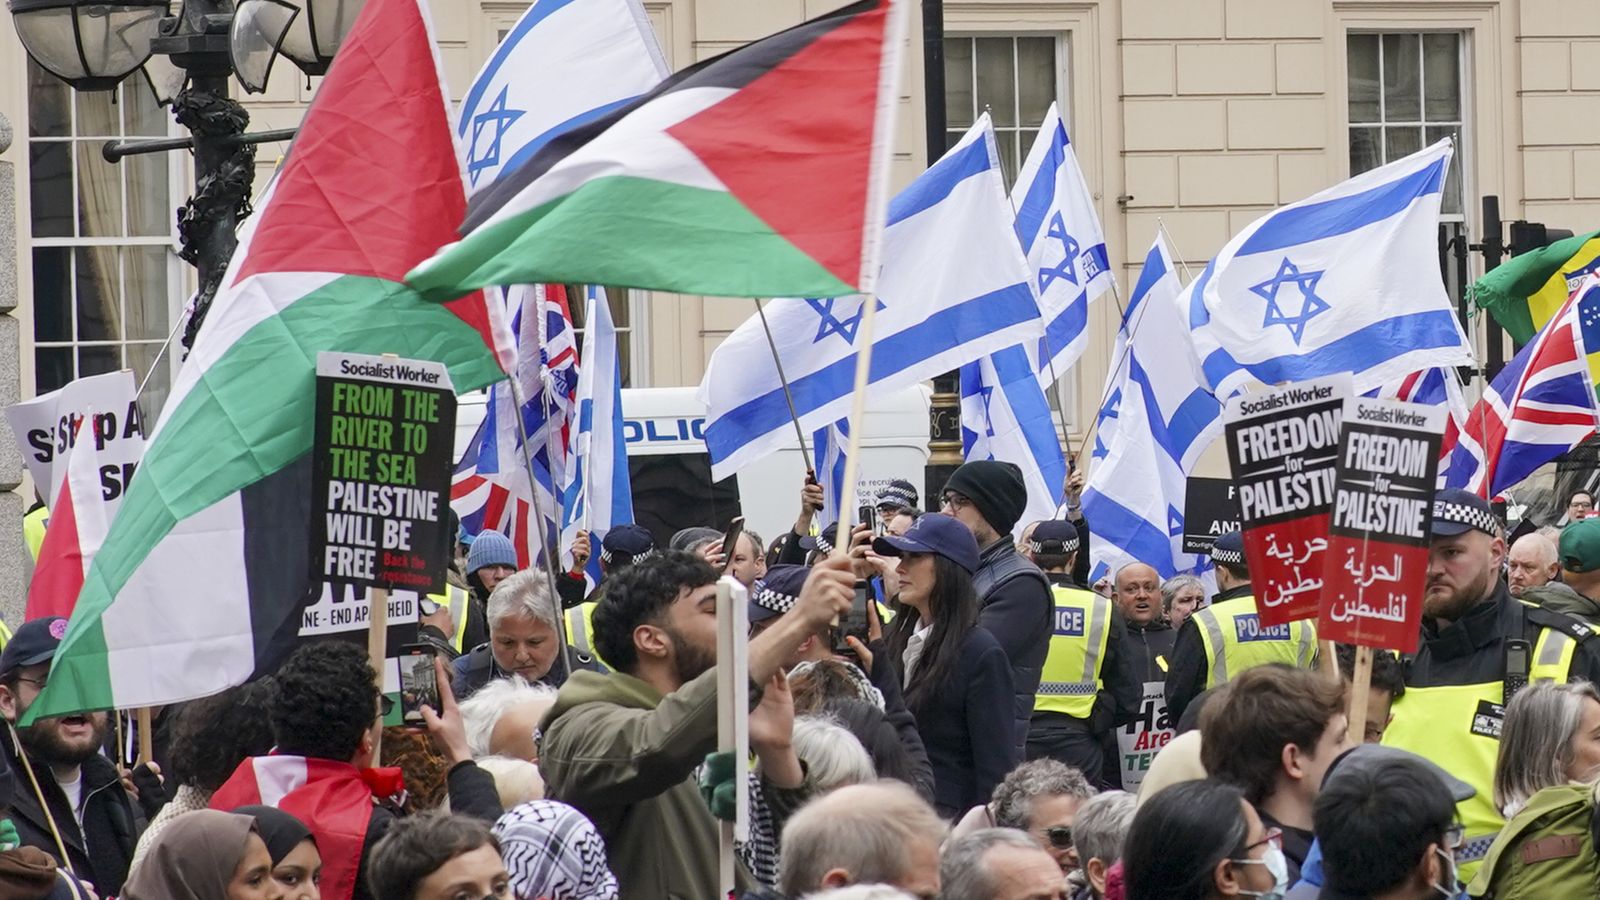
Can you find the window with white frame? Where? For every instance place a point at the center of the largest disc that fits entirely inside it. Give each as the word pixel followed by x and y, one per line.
pixel 105 276
pixel 1406 92
pixel 1014 77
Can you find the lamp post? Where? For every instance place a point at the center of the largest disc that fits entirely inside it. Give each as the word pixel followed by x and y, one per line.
pixel 94 45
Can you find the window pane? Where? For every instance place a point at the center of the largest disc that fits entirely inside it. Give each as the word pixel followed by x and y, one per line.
pixel 97 115
pixel 1366 152
pixel 99 360
pixel 621 310
pixel 145 276
pixel 150 209
pixel 1441 64
pixel 99 193
pixel 1362 57
pixel 49 104
pixel 1036 77
pixel 1006 141
pixel 52 367
pixel 140 358
pixel 1398 142
pixel 141 115
pixel 1452 180
pixel 97 294
pixel 1402 73
pixel 958 103
pixel 52 294
pixel 997 79
pixel 50 180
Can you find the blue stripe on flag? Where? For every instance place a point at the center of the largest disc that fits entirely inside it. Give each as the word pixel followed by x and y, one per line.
pixel 543 10
pixel 1138 537
pixel 533 146
pixel 1331 218
pixel 1062 331
pixel 1155 269
pixel 1191 419
pixel 1028 405
pixel 939 181
pixel 1354 352
pixel 1042 193
pixel 995 311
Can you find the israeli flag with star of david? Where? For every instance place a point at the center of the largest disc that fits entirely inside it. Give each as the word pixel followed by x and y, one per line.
pixel 1150 435
pixel 1346 280
pixel 1060 231
pixel 563 64
pixel 954 286
pixel 1005 416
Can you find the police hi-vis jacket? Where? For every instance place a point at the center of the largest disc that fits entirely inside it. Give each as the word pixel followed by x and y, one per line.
pixel 1218 642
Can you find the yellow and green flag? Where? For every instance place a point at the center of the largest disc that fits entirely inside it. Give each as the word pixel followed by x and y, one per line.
pixel 1526 292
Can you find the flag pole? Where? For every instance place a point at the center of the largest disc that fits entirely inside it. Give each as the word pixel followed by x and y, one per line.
pixel 518 401
pixel 49 817
pixel 799 433
pixel 858 409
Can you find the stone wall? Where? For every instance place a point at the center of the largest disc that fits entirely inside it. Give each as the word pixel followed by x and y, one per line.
pixel 13 585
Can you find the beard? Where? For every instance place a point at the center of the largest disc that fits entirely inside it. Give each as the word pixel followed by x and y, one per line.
pixel 1452 605
pixel 691 661
pixel 44 740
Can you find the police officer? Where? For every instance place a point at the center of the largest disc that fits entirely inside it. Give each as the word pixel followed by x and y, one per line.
pixel 1089 685
pixel 1227 637
pixel 622 546
pixel 1478 646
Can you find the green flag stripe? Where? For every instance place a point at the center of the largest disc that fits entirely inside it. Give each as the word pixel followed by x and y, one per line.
pixel 633 232
pixel 1504 290
pixel 251 414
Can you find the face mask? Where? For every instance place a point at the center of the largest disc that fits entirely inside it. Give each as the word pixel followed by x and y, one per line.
pixel 1278 866
pixel 1452 885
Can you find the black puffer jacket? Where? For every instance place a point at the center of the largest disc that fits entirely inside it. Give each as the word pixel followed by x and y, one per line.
pixel 101 850
pixel 1016 606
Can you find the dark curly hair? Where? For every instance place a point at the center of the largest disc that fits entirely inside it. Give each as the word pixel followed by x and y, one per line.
pixel 327 699
pixel 638 595
pixel 417 846
pixel 209 737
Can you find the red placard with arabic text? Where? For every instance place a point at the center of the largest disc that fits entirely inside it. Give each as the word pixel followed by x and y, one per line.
pixel 1377 561
pixel 1283 445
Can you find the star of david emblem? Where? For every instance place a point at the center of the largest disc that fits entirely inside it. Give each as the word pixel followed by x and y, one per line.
pixel 1111 410
pixel 499 118
pixel 832 324
pixel 986 394
pixel 1174 522
pixel 1069 249
pixel 1277 312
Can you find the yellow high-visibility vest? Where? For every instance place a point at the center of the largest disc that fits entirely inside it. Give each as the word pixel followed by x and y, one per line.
pixel 1235 640
pixel 1072 671
pixel 33 526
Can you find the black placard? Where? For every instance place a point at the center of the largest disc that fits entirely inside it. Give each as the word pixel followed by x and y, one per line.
pixel 1210 509
pixel 381 464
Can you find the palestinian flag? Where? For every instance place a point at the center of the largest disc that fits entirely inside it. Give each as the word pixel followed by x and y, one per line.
pixel 203 574
pixel 76 531
pixel 757 173
pixel 1526 291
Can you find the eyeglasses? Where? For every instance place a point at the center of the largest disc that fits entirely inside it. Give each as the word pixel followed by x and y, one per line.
pixel 954 501
pixel 1060 836
pixel 1274 837
pixel 1452 837
pixel 36 682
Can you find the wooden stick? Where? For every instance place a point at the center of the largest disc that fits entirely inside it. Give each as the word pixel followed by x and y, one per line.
pixel 146 734
pixel 1328 661
pixel 733 715
pixel 858 411
pixel 1360 688
pixel 49 817
pixel 377 647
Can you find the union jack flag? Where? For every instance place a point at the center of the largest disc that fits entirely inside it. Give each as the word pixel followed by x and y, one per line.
pixel 1431 387
pixel 1539 407
pixel 490 489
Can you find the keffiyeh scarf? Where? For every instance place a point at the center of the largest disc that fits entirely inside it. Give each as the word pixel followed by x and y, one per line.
pixel 554 853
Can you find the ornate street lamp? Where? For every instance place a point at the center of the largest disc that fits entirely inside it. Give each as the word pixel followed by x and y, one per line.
pixel 94 44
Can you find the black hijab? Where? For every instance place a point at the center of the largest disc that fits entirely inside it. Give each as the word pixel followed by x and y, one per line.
pixel 281 831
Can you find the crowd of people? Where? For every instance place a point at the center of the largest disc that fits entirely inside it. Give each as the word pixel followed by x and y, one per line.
pixel 965 745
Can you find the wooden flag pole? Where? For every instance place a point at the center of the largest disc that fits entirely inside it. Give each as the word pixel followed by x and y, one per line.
pixel 49 817
pixel 858 410
pixel 377 646
pixel 1360 689
pixel 733 717
pixel 146 734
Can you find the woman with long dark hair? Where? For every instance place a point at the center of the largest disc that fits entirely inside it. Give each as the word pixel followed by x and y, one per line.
pixel 957 678
pixel 1200 840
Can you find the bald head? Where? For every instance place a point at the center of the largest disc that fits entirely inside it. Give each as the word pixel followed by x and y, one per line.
pixel 1531 563
pixel 1138 588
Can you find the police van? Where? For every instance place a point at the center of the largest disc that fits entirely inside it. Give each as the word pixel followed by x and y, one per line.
pixel 670 468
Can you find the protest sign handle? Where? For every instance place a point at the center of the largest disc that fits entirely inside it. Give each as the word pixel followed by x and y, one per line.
pixel 799 433
pixel 377 649
pixel 141 717
pixel 1328 660
pixel 1360 687
pixel 733 718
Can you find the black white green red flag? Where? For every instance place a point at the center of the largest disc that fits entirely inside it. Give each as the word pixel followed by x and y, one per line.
pixel 757 173
pixel 204 571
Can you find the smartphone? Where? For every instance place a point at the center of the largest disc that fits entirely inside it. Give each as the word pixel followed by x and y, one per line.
pixel 419 683
pixel 730 541
pixel 853 623
pixel 866 514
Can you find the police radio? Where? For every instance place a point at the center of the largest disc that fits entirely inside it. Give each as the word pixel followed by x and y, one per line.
pixel 1518 655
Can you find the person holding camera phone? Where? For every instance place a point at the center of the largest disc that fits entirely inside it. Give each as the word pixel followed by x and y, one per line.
pixel 957 678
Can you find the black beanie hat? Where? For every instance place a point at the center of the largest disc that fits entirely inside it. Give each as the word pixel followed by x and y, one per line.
pixel 995 488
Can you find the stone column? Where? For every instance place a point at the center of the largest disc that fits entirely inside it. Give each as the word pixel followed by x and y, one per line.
pixel 13 583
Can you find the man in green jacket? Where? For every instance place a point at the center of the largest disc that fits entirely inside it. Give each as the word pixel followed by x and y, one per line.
pixel 1577 594
pixel 623 747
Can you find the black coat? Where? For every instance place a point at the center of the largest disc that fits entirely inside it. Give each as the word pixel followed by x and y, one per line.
pixel 1016 607
pixel 1190 668
pixel 474 669
pixel 471 791
pixel 101 850
pixel 966 726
